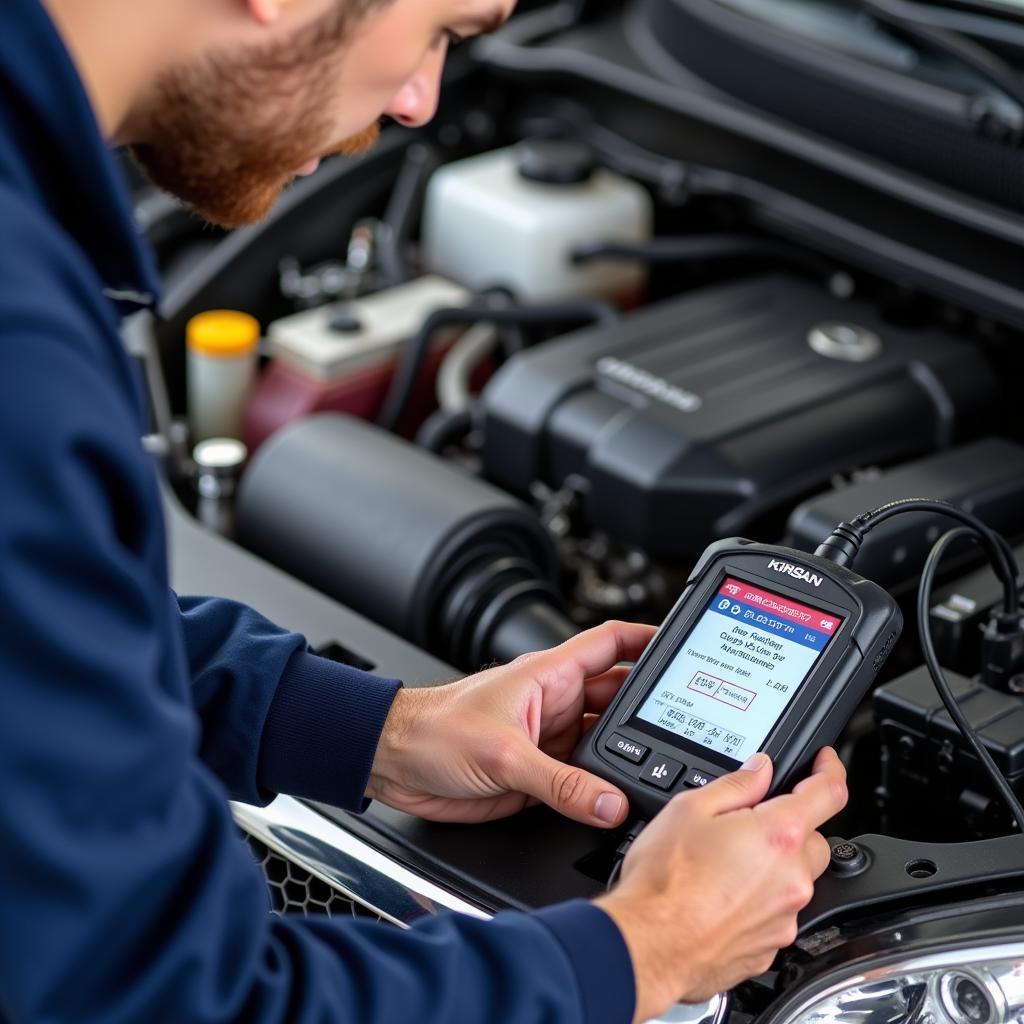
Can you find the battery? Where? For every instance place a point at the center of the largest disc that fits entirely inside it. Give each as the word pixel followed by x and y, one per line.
pixel 926 762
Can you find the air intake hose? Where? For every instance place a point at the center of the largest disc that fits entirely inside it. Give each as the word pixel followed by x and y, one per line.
pixel 444 559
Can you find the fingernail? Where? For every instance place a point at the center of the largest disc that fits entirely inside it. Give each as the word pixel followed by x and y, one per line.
pixel 754 763
pixel 608 807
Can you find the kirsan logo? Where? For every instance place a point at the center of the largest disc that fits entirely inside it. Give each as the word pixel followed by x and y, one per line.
pixel 796 571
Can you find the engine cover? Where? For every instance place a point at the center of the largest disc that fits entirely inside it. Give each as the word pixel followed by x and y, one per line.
pixel 692 419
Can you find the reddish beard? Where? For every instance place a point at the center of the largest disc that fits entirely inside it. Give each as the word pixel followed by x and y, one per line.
pixel 356 145
pixel 224 189
pixel 228 134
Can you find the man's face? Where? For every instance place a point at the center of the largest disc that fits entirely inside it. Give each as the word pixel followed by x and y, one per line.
pixel 228 131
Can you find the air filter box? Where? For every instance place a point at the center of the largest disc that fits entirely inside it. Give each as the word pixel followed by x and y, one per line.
pixel 692 419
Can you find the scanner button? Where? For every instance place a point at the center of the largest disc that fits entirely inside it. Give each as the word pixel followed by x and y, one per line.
pixel 628 749
pixel 694 777
pixel 661 772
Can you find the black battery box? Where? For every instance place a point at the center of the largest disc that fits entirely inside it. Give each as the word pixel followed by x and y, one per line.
pixel 926 763
pixel 985 478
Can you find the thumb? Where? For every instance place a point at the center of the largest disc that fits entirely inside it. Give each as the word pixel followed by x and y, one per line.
pixel 740 789
pixel 569 790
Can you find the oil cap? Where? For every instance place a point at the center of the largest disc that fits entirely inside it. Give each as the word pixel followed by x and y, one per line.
pixel 556 161
pixel 849 343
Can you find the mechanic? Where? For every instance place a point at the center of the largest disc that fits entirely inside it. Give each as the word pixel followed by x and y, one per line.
pixel 130 716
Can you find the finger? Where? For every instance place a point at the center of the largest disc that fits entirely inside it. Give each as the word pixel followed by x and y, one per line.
pixel 740 789
pixel 826 763
pixel 597 650
pixel 601 690
pixel 569 790
pixel 828 760
pixel 818 798
pixel 817 854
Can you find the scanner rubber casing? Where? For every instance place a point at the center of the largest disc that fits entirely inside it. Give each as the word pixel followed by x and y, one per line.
pixel 823 704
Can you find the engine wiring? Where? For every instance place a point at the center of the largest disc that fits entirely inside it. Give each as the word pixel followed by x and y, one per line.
pixel 939 677
pixel 842 548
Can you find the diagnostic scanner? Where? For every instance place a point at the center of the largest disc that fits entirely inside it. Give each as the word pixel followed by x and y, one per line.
pixel 768 649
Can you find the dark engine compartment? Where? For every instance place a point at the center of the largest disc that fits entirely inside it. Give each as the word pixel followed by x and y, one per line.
pixel 791 329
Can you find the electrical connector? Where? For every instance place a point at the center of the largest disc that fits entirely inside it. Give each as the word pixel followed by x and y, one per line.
pixel 1002 652
pixel 842 545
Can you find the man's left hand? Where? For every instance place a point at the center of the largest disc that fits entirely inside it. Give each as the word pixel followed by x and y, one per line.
pixel 488 745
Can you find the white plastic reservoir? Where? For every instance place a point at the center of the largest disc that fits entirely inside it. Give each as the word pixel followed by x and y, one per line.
pixel 513 217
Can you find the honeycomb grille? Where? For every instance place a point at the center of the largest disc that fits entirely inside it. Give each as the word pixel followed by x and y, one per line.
pixel 293 890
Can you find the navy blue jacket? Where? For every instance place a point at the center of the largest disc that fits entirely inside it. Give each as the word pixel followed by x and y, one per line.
pixel 128 717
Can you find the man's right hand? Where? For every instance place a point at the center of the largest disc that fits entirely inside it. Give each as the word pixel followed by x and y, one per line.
pixel 710 890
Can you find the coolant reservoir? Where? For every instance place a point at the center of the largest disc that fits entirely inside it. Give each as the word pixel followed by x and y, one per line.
pixel 341 357
pixel 513 217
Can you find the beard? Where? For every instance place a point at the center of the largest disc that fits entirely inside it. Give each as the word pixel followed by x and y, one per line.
pixel 228 134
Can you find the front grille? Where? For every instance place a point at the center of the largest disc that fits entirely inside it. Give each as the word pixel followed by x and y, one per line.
pixel 293 890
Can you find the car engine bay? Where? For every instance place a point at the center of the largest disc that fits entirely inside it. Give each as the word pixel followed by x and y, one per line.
pixel 521 367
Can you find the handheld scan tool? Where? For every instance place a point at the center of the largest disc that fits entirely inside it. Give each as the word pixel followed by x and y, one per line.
pixel 767 649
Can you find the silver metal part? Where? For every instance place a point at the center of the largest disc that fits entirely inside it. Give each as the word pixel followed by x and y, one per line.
pixel 848 342
pixel 454 378
pixel 714 1011
pixel 342 860
pixel 219 462
pixel 295 891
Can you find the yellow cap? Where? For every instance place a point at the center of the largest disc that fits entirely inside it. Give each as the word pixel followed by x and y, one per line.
pixel 223 334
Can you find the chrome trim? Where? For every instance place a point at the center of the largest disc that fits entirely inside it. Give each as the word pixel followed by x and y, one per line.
pixel 714 1011
pixel 366 876
pixel 363 874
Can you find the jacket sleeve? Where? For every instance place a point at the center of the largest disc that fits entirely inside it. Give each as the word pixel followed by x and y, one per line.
pixel 126 893
pixel 276 718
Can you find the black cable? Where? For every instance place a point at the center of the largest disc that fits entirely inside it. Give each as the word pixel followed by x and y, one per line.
pixel 511 337
pixel 907 18
pixel 623 848
pixel 397 223
pixel 613 875
pixel 939 678
pixel 411 365
pixel 444 428
pixel 842 545
pixel 568 118
pixel 698 249
pixel 996 546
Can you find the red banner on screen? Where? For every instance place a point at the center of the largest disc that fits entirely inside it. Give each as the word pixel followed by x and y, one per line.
pixel 783 607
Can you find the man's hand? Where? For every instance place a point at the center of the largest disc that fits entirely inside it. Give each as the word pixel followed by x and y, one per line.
pixel 489 745
pixel 711 889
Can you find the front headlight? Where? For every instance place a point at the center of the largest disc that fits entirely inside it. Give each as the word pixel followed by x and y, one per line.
pixel 984 985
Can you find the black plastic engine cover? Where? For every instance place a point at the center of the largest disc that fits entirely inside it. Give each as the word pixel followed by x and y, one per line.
pixel 690 420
